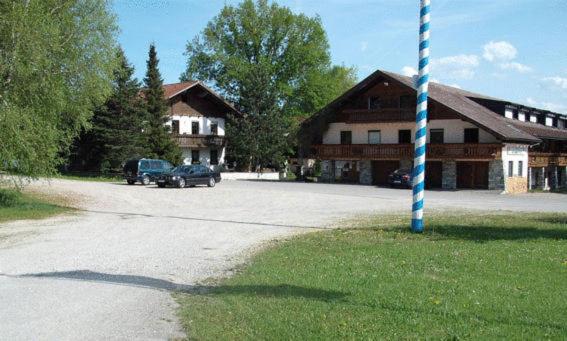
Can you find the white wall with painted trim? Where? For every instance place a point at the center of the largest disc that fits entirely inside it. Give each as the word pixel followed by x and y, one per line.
pixel 515 153
pixel 453 131
pixel 185 123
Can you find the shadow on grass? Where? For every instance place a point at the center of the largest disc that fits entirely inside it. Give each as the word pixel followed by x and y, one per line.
pixel 282 290
pixel 490 233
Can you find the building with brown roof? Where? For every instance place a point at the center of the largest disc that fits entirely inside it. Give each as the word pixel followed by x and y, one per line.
pixel 197 118
pixel 474 141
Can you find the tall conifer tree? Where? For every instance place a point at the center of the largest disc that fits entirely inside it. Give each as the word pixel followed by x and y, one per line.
pixel 116 133
pixel 159 141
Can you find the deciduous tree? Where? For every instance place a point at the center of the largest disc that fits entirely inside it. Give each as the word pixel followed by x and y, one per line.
pixel 274 65
pixel 56 65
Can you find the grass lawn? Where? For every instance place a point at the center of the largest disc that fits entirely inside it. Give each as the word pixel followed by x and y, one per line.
pixel 15 205
pixel 469 276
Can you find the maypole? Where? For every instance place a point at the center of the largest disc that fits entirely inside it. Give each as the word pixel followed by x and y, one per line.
pixel 421 119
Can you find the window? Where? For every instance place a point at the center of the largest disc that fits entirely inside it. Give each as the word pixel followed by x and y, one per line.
pixel 373 102
pixel 520 168
pixel 346 137
pixel 214 157
pixel 436 136
pixel 404 136
pixel 195 156
pixel 408 102
pixel 155 165
pixel 471 135
pixel 510 169
pixel 522 116
pixel 175 127
pixel 533 118
pixel 509 113
pixel 195 128
pixel 549 121
pixel 374 137
pixel 214 128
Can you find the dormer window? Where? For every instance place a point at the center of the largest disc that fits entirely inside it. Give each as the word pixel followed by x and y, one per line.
pixel 522 116
pixel 509 113
pixel 533 118
pixel 549 121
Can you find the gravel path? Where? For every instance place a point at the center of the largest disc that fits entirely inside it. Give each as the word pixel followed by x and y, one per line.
pixel 108 271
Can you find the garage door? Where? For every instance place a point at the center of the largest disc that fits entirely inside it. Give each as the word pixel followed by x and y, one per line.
pixel 472 175
pixel 381 170
pixel 433 174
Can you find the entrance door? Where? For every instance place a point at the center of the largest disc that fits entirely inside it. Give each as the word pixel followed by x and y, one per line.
pixel 472 175
pixel 381 170
pixel 433 174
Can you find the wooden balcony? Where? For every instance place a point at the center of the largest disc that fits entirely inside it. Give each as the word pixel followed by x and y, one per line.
pixel 199 141
pixel 542 159
pixel 377 115
pixel 455 151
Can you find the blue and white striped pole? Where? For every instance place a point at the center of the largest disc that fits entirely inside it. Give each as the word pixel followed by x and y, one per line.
pixel 421 119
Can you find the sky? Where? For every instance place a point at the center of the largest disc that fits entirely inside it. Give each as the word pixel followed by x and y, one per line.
pixel 510 49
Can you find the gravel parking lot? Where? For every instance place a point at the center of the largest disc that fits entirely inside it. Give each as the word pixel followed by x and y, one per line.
pixel 107 272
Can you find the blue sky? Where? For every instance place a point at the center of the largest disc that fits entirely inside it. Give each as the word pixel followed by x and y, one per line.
pixel 512 49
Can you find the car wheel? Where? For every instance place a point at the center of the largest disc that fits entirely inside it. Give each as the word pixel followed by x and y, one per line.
pixel 130 182
pixel 145 180
pixel 161 185
pixel 181 183
pixel 211 182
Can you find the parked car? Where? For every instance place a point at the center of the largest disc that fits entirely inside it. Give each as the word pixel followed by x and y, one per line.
pixel 400 178
pixel 145 170
pixel 189 175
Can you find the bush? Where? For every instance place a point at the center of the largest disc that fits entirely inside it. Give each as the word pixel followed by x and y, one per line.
pixel 9 198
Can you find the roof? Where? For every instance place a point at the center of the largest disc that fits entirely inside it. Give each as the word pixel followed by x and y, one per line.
pixel 174 89
pixel 171 90
pixel 542 131
pixel 462 103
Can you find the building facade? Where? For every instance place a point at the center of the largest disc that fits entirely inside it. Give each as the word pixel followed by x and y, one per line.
pixel 473 141
pixel 197 118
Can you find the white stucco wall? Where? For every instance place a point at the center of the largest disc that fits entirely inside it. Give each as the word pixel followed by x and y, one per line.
pixel 204 156
pixel 204 124
pixel 515 153
pixel 453 130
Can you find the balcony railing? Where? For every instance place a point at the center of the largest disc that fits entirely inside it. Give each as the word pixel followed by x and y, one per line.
pixel 199 141
pixel 480 151
pixel 541 159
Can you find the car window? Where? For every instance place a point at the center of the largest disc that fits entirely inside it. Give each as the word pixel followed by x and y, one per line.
pixel 167 165
pixel 203 169
pixel 155 164
pixel 144 164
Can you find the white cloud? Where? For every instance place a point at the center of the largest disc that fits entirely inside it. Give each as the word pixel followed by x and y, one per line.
pixel 551 106
pixel 409 71
pixel 521 68
pixel 499 51
pixel 363 46
pixel 455 67
pixel 556 81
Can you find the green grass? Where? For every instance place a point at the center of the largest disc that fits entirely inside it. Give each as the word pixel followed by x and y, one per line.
pixel 471 276
pixel 15 205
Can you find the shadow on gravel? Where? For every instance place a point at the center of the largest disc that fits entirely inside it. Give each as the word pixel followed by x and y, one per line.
pixel 145 215
pixel 282 290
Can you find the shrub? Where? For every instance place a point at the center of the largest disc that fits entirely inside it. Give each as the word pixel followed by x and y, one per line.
pixel 9 198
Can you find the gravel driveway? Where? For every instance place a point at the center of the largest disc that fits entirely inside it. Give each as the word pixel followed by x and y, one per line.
pixel 107 272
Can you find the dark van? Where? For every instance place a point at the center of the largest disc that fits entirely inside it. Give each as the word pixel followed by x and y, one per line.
pixel 145 170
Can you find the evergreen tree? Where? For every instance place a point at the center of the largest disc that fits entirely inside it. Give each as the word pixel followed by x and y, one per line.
pixel 116 133
pixel 159 142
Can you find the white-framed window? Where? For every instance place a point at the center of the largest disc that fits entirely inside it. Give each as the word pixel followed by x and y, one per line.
pixel 522 116
pixel 549 121
pixel 510 169
pixel 533 118
pixel 374 137
pixel 509 113
pixel 520 168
